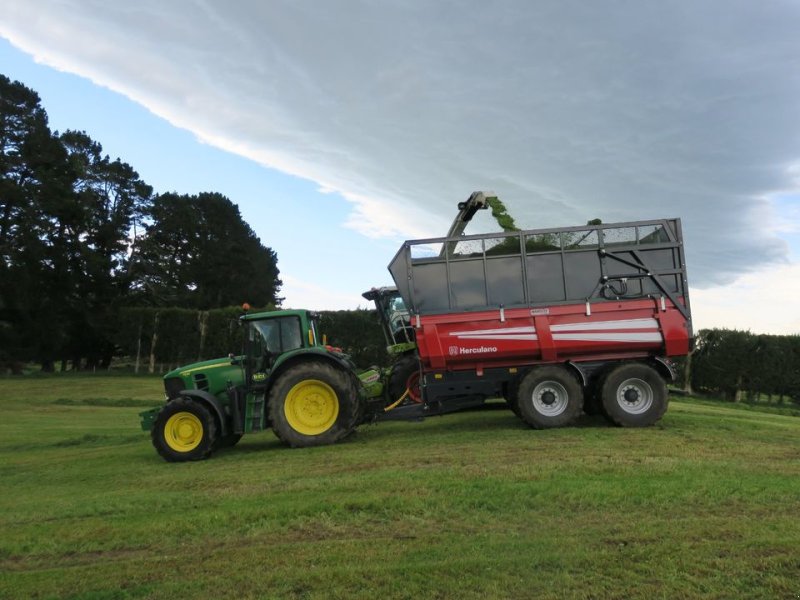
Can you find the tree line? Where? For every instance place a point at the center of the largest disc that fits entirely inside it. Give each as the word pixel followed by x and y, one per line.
pixel 83 237
pixel 739 365
pixel 156 340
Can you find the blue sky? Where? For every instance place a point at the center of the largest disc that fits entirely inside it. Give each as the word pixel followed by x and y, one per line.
pixel 342 129
pixel 288 213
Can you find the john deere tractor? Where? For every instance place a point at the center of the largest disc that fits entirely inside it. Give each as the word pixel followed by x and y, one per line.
pixel 286 379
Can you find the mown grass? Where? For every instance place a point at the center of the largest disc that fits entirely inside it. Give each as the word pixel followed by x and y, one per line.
pixel 473 505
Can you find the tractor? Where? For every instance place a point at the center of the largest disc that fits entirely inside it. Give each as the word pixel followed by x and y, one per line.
pixel 287 379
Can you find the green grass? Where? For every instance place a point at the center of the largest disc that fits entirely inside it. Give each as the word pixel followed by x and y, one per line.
pixel 474 505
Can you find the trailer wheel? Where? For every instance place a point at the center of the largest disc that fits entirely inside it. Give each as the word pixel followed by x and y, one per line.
pixel 549 397
pixel 313 404
pixel 405 376
pixel 184 430
pixel 634 395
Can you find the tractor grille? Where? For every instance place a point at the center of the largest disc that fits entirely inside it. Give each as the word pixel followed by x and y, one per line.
pixel 173 387
pixel 201 381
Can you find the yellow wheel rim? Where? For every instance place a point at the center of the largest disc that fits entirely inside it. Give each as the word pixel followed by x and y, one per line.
pixel 311 407
pixel 183 432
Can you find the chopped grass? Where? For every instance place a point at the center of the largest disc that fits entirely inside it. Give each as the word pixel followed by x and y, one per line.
pixel 472 505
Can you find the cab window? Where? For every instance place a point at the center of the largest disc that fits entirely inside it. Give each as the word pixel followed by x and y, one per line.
pixel 276 336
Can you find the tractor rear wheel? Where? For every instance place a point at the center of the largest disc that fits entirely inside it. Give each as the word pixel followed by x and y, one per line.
pixel 313 404
pixel 634 395
pixel 549 397
pixel 183 430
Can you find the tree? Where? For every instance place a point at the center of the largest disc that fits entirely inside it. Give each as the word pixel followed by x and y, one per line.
pixel 71 225
pixel 34 179
pixel 108 201
pixel 197 252
pixel 66 214
pixel 723 362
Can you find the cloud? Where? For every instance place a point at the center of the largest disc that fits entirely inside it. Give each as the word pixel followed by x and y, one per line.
pixel 311 296
pixel 764 302
pixel 569 110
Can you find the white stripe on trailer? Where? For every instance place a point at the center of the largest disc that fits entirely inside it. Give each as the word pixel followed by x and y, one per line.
pixel 502 331
pixel 606 325
pixel 623 330
pixel 513 336
pixel 653 336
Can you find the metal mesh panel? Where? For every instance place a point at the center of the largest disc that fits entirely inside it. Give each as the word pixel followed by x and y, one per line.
pixel 560 265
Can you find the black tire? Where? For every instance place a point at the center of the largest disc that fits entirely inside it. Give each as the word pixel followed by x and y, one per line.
pixel 511 395
pixel 228 441
pixel 184 430
pixel 634 395
pixel 549 397
pixel 405 373
pixel 313 404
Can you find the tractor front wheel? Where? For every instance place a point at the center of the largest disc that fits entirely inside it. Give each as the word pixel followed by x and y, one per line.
pixel 313 404
pixel 184 430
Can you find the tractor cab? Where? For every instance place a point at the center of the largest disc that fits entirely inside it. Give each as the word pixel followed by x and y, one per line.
pixel 394 318
pixel 271 335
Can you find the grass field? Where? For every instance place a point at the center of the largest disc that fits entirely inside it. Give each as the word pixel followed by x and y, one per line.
pixel 474 505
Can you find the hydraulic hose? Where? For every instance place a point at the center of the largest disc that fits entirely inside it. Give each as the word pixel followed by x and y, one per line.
pixel 394 404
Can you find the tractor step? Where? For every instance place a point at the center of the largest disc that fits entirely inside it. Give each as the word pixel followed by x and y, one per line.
pixel 255 413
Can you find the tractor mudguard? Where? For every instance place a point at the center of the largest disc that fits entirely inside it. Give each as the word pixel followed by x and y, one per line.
pixel 213 403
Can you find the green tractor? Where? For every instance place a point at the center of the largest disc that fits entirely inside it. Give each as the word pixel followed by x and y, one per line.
pixel 287 379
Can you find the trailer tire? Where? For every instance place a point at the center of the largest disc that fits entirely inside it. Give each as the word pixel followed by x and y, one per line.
pixel 549 397
pixel 634 395
pixel 184 430
pixel 313 404
pixel 405 376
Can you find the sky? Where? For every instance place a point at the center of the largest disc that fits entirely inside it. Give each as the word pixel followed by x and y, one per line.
pixel 351 126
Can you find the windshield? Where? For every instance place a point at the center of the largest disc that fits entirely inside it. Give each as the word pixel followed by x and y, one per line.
pixel 275 336
pixel 397 313
pixel 395 318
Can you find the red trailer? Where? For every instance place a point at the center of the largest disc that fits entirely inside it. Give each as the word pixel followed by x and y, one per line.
pixel 555 320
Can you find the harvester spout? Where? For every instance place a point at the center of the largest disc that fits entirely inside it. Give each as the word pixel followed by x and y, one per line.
pixel 467 209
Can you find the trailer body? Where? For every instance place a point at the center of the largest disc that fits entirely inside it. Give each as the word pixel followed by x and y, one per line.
pixel 486 309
